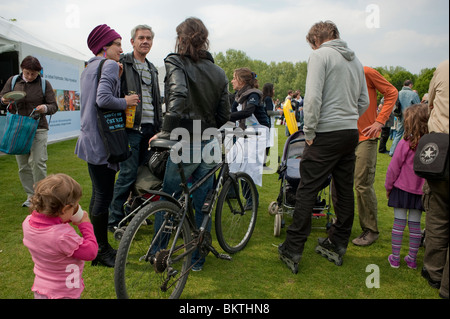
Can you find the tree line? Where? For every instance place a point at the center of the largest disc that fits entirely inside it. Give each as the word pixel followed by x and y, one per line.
pixel 292 76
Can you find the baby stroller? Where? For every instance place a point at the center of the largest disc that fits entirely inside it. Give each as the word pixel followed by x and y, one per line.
pixel 289 174
pixel 146 189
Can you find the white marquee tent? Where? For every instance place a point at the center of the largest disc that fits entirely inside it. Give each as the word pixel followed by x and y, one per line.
pixel 62 67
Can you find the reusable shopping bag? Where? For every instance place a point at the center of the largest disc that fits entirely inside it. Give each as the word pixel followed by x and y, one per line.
pixel 19 134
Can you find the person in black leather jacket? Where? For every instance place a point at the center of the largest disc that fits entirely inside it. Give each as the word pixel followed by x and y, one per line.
pixel 196 94
pixel 139 77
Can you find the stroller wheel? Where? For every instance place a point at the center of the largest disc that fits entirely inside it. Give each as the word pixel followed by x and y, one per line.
pixel 277 225
pixel 273 208
pixel 118 234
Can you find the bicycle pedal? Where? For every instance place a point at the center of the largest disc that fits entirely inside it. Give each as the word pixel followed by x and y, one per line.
pixel 225 257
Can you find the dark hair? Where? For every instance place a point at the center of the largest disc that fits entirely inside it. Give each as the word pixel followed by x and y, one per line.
pixel 31 63
pixel 192 39
pixel 267 90
pixel 247 76
pixel 321 32
pixel 407 83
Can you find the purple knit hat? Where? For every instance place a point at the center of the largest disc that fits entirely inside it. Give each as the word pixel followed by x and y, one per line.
pixel 101 36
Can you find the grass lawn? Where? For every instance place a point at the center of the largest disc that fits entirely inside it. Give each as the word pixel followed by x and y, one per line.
pixel 254 273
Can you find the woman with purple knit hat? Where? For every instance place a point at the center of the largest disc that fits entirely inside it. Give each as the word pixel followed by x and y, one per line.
pixel 105 43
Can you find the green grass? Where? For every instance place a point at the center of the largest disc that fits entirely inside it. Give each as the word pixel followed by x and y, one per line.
pixel 254 273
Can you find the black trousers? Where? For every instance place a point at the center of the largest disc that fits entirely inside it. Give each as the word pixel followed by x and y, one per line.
pixel 102 179
pixel 332 153
pixel 385 131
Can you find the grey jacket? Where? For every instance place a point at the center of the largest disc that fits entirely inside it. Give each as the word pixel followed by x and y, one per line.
pixel 90 147
pixel 336 91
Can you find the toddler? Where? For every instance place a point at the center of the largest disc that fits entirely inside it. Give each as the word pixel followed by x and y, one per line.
pixel 58 252
pixel 404 187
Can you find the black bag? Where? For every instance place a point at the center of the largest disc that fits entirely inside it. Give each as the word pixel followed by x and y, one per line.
pixel 431 158
pixel 158 162
pixel 397 111
pixel 111 125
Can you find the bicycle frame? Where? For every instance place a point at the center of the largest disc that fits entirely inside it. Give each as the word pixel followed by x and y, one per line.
pixel 186 209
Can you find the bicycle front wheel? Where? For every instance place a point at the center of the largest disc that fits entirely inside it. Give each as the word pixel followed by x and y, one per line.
pixel 236 212
pixel 145 266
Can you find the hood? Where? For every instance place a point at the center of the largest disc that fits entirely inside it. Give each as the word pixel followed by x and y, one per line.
pixel 340 46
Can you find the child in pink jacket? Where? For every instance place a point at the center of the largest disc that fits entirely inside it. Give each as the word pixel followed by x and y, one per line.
pixel 58 252
pixel 404 187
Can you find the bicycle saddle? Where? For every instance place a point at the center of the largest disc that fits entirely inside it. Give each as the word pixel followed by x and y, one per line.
pixel 162 143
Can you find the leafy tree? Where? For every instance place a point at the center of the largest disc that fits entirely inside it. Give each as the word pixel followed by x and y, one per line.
pixel 292 76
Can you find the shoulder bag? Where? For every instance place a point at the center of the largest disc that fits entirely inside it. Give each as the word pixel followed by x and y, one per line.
pixel 111 125
pixel 431 158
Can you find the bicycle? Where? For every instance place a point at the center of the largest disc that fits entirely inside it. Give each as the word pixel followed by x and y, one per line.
pixel 145 270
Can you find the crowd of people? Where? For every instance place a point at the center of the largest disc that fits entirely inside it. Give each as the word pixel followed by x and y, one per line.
pixel 339 115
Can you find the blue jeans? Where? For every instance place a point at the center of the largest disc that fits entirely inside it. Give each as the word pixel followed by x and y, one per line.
pixel 398 137
pixel 171 185
pixel 128 172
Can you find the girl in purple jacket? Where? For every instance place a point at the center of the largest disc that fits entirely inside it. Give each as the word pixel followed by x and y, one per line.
pixel 404 187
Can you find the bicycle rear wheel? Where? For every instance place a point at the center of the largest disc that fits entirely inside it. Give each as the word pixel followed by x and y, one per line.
pixel 143 271
pixel 235 224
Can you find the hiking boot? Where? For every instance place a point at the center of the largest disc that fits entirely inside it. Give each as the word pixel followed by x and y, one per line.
pixel 330 251
pixel 366 238
pixel 290 259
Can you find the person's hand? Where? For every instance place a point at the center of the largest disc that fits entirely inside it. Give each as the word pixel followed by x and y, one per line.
pixel 7 101
pixel 84 219
pixel 132 99
pixel 309 142
pixel 387 194
pixel 372 130
pixel 41 108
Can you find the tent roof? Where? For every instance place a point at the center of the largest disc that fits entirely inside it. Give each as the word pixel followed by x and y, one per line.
pixel 13 33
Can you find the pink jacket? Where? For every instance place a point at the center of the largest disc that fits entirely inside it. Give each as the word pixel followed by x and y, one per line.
pixel 400 172
pixel 58 253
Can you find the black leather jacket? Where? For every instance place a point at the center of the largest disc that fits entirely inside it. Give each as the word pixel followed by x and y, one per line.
pixel 130 81
pixel 194 91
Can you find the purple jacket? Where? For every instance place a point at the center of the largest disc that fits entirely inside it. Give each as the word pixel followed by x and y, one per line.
pixel 400 172
pixel 90 147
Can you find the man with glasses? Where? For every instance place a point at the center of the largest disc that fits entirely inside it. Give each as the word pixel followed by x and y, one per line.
pixel 143 121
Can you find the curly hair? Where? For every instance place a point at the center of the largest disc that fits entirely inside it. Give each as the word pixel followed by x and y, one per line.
pixel 415 123
pixel 321 32
pixel 192 39
pixel 53 193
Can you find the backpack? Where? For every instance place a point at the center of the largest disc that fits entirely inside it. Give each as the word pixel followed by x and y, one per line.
pixel 14 80
pixel 397 111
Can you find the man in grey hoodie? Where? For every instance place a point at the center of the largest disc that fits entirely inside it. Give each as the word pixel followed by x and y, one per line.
pixel 336 95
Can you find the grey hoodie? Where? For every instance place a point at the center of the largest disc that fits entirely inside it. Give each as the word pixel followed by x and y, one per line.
pixel 336 91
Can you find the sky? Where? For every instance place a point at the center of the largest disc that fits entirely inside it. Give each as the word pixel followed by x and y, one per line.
pixel 413 34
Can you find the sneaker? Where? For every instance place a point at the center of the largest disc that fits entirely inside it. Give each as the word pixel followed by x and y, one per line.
pixel 394 262
pixel 366 238
pixel 290 259
pixel 197 268
pixel 411 263
pixel 26 203
pixel 330 251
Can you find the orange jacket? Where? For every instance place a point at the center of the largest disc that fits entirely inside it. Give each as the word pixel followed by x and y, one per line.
pixel 376 82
